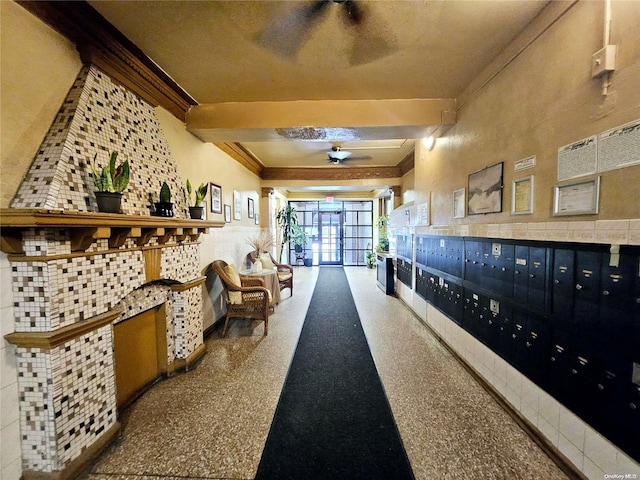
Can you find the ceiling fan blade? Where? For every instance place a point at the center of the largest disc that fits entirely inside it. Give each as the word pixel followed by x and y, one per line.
pixel 354 12
pixel 363 157
pixel 286 35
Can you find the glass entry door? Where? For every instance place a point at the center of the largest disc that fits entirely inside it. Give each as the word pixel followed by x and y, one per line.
pixel 330 238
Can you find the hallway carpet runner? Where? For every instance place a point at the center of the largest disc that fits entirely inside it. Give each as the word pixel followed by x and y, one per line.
pixel 333 419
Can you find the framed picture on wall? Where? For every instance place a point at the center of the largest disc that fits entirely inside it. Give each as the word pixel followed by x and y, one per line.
pixel 216 197
pixel 227 213
pixel 577 198
pixel 459 203
pixel 522 196
pixel 250 208
pixel 485 190
pixel 237 205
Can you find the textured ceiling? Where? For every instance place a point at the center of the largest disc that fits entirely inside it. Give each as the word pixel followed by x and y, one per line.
pixel 250 51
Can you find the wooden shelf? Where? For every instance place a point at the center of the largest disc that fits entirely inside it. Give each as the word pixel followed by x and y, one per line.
pixel 86 227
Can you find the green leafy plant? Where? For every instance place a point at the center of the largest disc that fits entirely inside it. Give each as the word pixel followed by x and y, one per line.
pixel 165 193
pixel 370 258
pixel 200 193
pixel 383 240
pixel 286 217
pixel 299 237
pixel 111 179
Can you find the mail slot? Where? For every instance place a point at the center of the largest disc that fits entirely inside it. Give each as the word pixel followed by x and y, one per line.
pixel 587 294
pixel 472 261
pixel 563 286
pixel 617 284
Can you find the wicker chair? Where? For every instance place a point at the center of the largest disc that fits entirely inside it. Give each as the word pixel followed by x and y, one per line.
pixel 250 299
pixel 285 272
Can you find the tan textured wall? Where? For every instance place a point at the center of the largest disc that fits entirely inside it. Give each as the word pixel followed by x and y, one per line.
pixel 38 67
pixel 541 101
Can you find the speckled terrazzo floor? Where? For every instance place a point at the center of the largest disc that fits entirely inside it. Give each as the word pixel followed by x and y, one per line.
pixel 212 422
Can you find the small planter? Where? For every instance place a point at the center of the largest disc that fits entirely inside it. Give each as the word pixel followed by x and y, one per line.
pixel 109 202
pixel 196 213
pixel 164 209
pixel 308 262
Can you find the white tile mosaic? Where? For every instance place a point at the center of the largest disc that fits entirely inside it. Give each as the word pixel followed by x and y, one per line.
pixel 188 321
pixel 67 394
pixel 98 116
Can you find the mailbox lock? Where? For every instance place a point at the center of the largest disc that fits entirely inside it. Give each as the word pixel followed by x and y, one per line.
pixel 605 292
pixel 531 275
pixel 556 281
pixel 633 406
pixel 553 359
pixel 503 269
pixel 574 371
pixel 517 272
pixel 528 344
pixel 638 300
pixel 600 386
pixel 578 286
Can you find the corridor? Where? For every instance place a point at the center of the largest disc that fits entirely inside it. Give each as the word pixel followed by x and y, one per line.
pixel 212 422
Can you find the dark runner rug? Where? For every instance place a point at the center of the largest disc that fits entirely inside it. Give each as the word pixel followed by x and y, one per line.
pixel 333 419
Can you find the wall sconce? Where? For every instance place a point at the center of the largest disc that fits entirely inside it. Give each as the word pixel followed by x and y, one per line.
pixel 429 142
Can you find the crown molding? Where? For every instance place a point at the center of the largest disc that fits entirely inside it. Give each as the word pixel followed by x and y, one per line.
pixel 330 173
pixel 243 157
pixel 407 163
pixel 101 44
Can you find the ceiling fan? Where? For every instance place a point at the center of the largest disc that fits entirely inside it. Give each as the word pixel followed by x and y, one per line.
pixel 289 31
pixel 337 156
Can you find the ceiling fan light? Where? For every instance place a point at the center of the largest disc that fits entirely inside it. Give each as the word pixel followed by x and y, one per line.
pixel 429 142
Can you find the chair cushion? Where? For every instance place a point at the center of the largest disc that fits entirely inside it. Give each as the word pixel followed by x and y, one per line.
pixel 267 264
pixel 234 275
pixel 284 276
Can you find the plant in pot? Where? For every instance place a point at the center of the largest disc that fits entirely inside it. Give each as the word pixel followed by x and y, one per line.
pixel 370 258
pixel 164 208
pixel 383 240
pixel 110 183
pixel 197 209
pixel 300 239
pixel 286 217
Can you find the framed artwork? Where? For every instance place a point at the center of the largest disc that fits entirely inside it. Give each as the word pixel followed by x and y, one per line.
pixel 227 213
pixel 485 190
pixel 577 198
pixel 250 208
pixel 257 218
pixel 522 196
pixel 459 203
pixel 216 197
pixel 237 205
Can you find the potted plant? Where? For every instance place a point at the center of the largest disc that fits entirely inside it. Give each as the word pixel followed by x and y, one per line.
pixel 383 240
pixel 197 209
pixel 299 238
pixel 164 208
pixel 286 217
pixel 110 183
pixel 370 258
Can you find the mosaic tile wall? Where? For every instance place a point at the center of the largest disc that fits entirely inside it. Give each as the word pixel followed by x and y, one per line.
pixel 188 321
pixel 67 393
pixel 37 426
pixel 181 262
pixel 56 293
pixel 98 116
pixel 66 404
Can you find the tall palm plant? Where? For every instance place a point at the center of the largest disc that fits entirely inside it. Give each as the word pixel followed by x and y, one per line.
pixel 287 219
